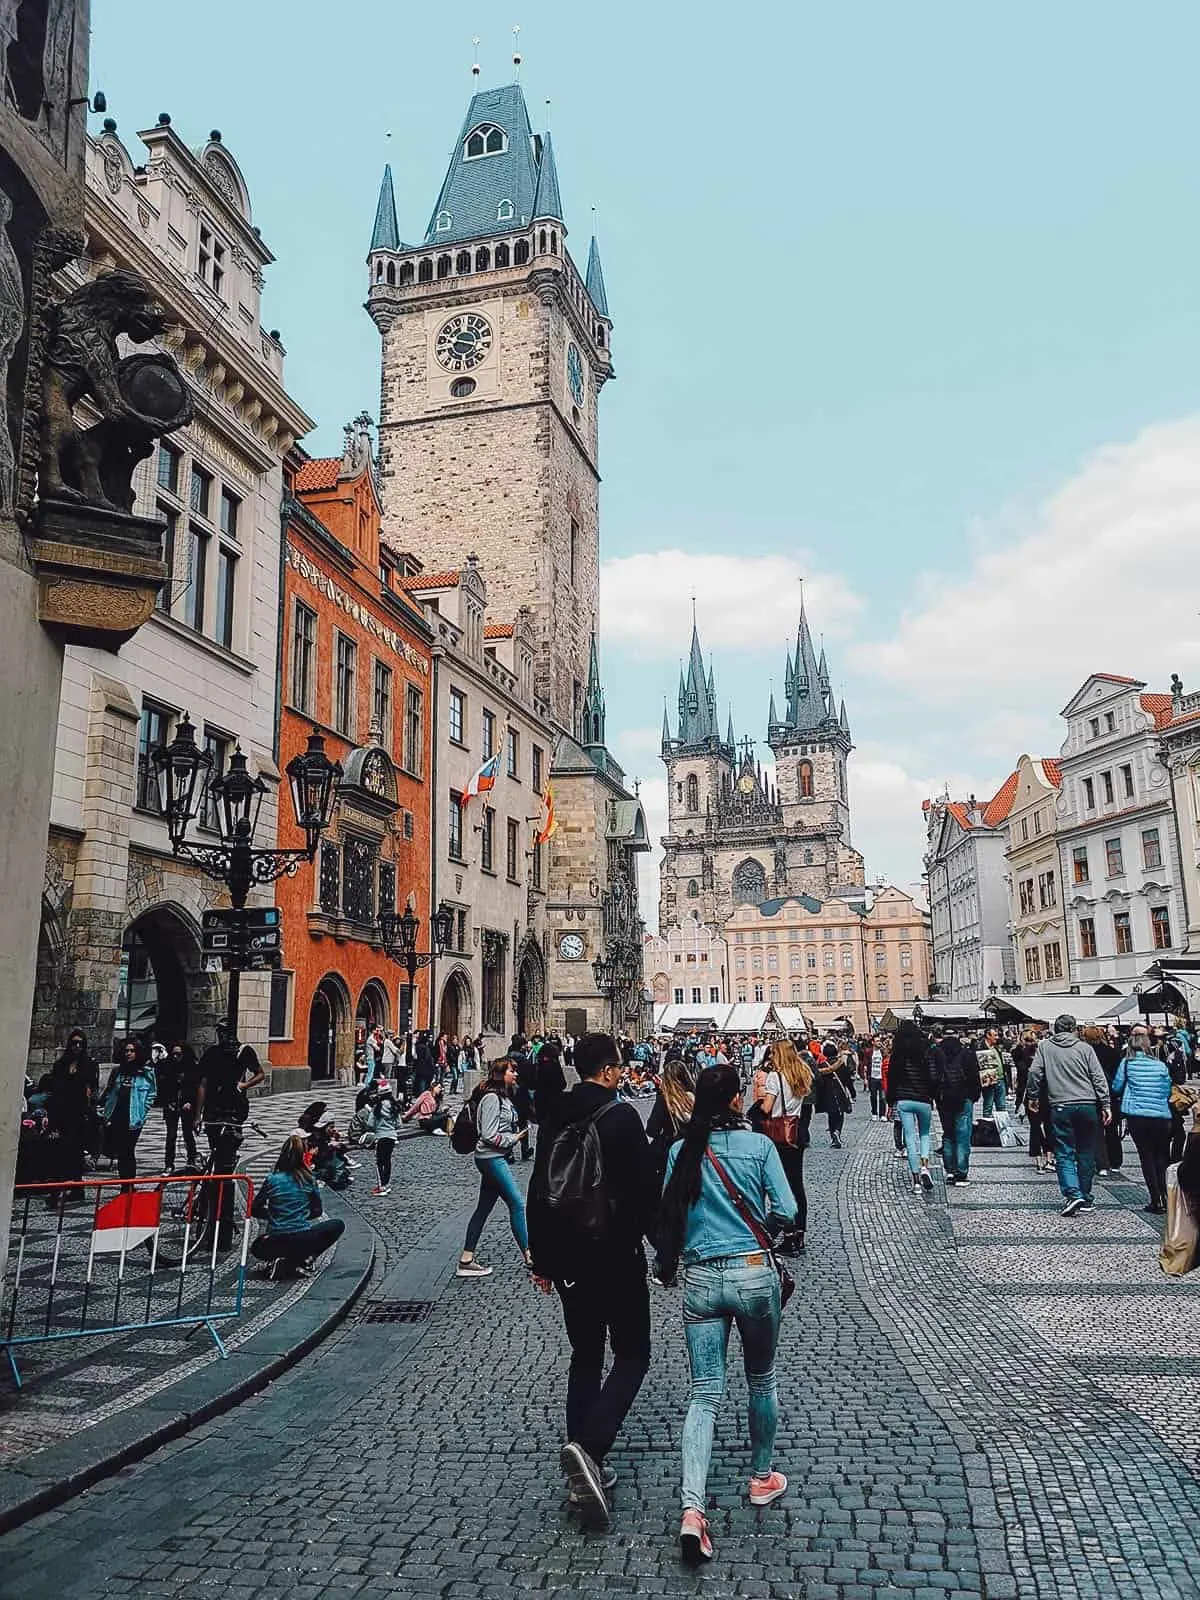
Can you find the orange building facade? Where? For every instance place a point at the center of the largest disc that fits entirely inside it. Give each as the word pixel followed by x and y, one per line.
pixel 356 665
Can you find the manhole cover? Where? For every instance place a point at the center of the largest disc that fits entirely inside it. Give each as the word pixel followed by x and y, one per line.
pixel 396 1310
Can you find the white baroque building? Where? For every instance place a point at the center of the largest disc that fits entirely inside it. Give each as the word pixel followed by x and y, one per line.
pixel 968 897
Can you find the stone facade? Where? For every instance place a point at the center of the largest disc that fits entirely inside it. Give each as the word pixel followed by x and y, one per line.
pixel 834 959
pixel 968 898
pixel 735 835
pixel 1035 891
pixel 127 956
pixel 689 965
pixel 1180 740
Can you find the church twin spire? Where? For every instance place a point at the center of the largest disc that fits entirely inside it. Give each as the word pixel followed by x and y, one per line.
pixel 809 704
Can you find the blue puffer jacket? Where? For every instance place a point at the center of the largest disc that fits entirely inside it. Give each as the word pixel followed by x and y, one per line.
pixel 1144 1083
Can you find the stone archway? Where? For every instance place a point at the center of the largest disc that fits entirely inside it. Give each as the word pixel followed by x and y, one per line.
pixel 374 1008
pixel 330 1028
pixel 529 999
pixel 456 1011
pixel 163 986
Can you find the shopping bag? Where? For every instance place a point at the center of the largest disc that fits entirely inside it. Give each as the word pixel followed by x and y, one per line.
pixel 1008 1134
pixel 1179 1249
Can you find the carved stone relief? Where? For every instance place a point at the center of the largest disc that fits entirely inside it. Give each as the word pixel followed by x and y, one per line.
pixel 12 324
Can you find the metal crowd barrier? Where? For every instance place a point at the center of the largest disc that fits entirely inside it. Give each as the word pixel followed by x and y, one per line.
pixel 107 1256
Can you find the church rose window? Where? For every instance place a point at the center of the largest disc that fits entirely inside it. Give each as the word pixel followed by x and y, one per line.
pixel 750 883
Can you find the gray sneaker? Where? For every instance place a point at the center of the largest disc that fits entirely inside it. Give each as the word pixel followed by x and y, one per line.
pixel 472 1269
pixel 586 1484
pixel 1071 1207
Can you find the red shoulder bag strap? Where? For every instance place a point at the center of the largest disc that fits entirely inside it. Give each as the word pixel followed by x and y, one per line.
pixel 743 1210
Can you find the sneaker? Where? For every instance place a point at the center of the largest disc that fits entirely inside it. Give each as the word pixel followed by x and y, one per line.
pixel 350 1162
pixel 472 1269
pixel 764 1490
pixel 1071 1207
pixel 961 1181
pixel 586 1483
pixel 836 1142
pixel 951 1180
pixel 439 1133
pixel 659 1282
pixel 899 1155
pixel 608 1481
pixel 926 1179
pixel 916 1186
pixel 382 1188
pixel 695 1545
pixel 1087 1207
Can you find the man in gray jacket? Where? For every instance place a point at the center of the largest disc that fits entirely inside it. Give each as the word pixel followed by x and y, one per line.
pixel 1067 1070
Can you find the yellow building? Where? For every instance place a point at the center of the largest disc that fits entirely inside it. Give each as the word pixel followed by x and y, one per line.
pixel 835 958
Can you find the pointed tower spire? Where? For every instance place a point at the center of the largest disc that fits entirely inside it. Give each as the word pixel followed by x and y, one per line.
pixel 844 720
pixel 595 279
pixel 386 235
pixel 546 201
pixel 772 714
pixel 593 700
pixel 729 738
pixel 666 733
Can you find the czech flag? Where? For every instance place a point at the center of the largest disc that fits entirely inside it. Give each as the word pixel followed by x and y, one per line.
pixel 126 1220
pixel 549 820
pixel 484 779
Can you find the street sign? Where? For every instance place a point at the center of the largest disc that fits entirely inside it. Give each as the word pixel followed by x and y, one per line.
pixel 248 940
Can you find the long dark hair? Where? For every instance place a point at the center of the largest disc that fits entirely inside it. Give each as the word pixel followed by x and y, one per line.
pixel 712 1111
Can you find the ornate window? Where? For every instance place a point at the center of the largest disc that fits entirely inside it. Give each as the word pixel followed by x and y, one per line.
pixel 358 880
pixel 693 792
pixel 485 140
pixel 749 883
pixel 387 886
pixel 693 889
pixel 806 780
pixel 331 878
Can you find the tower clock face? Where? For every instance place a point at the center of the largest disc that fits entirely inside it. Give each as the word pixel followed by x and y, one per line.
pixel 463 342
pixel 575 373
pixel 570 947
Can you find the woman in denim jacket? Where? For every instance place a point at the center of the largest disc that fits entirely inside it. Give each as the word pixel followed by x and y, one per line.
pixel 128 1096
pixel 727 1278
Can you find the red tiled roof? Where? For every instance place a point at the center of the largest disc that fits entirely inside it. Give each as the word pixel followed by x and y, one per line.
pixel 1113 677
pixel 1159 705
pixel 320 473
pixel 1000 804
pixel 1053 771
pixel 960 814
pixel 498 630
pixel 428 580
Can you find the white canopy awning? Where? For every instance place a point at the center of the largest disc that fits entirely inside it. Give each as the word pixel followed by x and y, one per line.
pixel 1085 1008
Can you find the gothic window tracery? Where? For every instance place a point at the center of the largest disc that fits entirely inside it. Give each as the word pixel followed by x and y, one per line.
pixel 806 780
pixel 485 140
pixel 749 882
pixel 693 792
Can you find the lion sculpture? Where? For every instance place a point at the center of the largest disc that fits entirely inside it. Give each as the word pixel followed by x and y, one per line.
pixel 94 465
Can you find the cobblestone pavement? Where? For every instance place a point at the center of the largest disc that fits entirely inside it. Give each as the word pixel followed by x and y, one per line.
pixel 945 1433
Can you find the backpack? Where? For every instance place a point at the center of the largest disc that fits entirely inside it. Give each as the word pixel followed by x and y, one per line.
pixel 464 1136
pixel 575 1191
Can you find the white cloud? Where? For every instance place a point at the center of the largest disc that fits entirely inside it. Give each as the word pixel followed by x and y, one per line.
pixel 748 604
pixel 885 801
pixel 1099 577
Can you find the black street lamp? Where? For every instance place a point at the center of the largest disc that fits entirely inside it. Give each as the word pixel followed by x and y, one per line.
pixel 180 767
pixel 398 935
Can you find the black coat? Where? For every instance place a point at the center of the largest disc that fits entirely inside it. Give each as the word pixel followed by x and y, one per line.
pixel 910 1069
pixel 955 1073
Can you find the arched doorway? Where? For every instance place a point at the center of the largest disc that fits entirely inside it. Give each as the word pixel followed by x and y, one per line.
pixel 455 1014
pixel 330 1039
pixel 373 1008
pixel 531 992
pixel 162 985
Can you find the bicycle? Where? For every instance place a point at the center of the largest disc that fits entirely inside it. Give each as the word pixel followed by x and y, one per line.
pixel 196 1209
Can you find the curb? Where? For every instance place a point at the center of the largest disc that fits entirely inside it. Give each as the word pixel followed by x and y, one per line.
pixel 64 1470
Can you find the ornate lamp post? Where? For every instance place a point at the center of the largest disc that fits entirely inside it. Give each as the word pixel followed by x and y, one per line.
pixel 615 971
pixel 398 934
pixel 180 766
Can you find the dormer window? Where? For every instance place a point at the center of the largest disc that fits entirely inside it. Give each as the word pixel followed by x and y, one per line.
pixel 504 211
pixel 486 140
pixel 443 222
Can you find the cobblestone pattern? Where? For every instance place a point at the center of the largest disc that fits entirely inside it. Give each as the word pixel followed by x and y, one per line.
pixel 1072 1494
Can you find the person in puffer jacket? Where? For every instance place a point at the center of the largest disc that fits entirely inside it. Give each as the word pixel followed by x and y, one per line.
pixel 1144 1082
pixel 1067 1071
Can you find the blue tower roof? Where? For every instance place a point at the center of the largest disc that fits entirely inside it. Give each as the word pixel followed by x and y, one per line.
pixel 595 279
pixel 546 201
pixel 496 159
pixel 386 235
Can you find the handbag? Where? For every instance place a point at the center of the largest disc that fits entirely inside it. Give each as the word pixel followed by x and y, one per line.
pixel 787 1284
pixel 781 1130
pixel 1181 1244
pixel 1182 1098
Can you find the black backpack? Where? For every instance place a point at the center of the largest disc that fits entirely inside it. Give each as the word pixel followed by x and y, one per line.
pixel 575 1191
pixel 464 1136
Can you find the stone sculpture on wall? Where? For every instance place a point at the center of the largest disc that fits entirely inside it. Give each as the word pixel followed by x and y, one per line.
pixel 12 323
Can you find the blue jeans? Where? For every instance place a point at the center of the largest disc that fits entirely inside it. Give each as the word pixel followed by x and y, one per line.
pixel 1076 1129
pixel 717 1294
pixel 916 1118
pixel 956 1138
pixel 496 1182
pixel 994 1099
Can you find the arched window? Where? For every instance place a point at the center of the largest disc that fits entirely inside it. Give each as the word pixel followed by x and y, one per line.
pixel 378 271
pixel 553 241
pixel 425 271
pixel 406 273
pixel 504 211
pixel 600 337
pixel 462 263
pixel 679 793
pixel 520 252
pixel 391 272
pixel 483 258
pixel 501 255
pixel 806 780
pixel 693 889
pixel 542 242
pixel 485 140
pixel 442 225
pixel 749 882
pixel 444 267
pixel 693 792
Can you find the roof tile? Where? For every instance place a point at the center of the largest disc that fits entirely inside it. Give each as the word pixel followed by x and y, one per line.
pixel 428 580
pixel 498 630
pixel 1053 771
pixel 1159 705
pixel 1001 802
pixel 320 473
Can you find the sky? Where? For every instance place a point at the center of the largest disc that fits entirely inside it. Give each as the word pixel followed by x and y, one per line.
pixel 904 304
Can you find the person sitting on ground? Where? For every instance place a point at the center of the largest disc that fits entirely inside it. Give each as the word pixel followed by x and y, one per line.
pixel 360 1129
pixel 426 1111
pixel 290 1204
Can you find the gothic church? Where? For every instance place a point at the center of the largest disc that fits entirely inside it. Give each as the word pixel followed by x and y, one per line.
pixel 734 837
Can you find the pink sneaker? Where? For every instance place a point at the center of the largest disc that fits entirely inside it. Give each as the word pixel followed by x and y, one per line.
pixel 694 1542
pixel 764 1490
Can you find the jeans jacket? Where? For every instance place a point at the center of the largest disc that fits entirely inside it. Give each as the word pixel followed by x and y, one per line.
pixel 714 1226
pixel 142 1090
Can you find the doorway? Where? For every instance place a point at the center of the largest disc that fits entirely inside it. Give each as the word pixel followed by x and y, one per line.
pixel 329 1033
pixel 454 1015
pixel 160 963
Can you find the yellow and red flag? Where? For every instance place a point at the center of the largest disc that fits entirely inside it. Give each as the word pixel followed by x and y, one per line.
pixel 549 820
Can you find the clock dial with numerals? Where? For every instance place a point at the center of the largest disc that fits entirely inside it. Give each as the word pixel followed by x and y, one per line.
pixel 570 947
pixel 746 783
pixel 575 374
pixel 463 342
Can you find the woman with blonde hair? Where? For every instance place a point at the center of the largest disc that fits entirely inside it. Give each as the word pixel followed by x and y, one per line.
pixel 672 1109
pixel 781 1108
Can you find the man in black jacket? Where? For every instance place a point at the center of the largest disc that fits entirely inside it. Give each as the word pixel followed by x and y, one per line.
pixel 601 1283
pixel 957 1085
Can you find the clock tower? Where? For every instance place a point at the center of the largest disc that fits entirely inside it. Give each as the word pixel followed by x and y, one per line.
pixel 495 349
